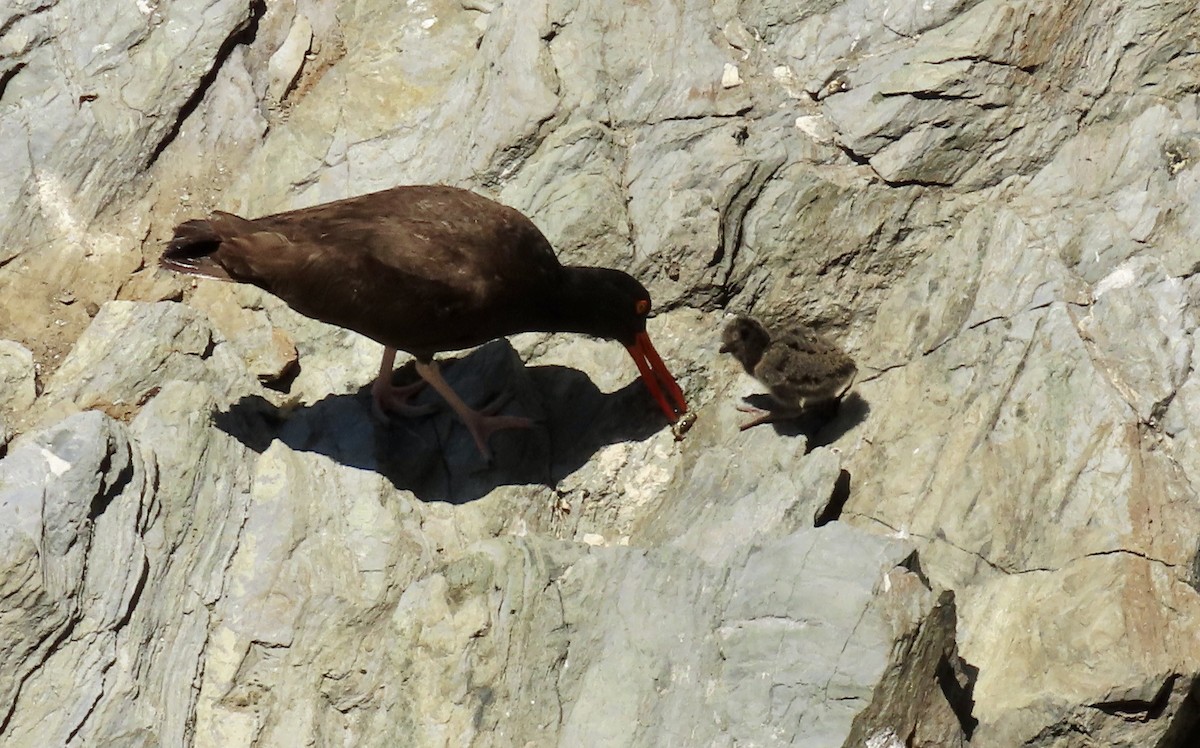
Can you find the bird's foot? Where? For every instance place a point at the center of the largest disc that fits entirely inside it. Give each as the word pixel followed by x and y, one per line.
pixel 498 402
pixel 764 416
pixel 482 425
pixel 761 416
pixel 389 398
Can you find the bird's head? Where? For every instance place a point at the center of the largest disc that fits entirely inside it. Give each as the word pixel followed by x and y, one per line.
pixel 611 304
pixel 746 339
pixel 605 303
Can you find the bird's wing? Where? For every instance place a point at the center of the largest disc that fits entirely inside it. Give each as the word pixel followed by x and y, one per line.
pixel 453 239
pixel 419 268
pixel 800 364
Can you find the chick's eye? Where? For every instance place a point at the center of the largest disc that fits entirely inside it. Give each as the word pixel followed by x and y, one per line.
pixel 642 307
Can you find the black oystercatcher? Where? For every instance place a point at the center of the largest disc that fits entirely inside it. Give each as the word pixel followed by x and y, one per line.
pixel 426 269
pixel 798 367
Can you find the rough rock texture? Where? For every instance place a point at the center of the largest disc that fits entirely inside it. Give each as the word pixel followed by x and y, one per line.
pixel 993 204
pixel 18 386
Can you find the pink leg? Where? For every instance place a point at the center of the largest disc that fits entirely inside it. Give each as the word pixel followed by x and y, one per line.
pixel 388 398
pixel 479 424
pixel 761 416
pixel 766 416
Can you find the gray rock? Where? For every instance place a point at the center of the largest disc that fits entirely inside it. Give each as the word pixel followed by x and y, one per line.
pixel 130 350
pixel 994 204
pixel 74 565
pixel 1114 698
pixel 652 616
pixel 624 646
pixel 94 99
pixel 286 63
pixel 18 386
pixel 267 351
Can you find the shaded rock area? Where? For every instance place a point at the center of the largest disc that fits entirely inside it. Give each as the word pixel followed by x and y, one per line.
pixel 993 205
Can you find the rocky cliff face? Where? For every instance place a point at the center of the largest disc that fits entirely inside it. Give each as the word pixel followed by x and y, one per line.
pixel 994 205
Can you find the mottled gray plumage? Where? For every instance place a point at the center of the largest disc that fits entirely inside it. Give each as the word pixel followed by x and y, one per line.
pixel 798 366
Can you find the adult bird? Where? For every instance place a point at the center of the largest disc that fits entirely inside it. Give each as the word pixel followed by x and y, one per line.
pixel 426 269
pixel 799 367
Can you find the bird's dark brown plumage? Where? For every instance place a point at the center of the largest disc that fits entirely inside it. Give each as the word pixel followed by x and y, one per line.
pixel 798 366
pixel 425 269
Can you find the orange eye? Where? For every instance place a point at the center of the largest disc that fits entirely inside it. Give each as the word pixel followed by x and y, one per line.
pixel 642 307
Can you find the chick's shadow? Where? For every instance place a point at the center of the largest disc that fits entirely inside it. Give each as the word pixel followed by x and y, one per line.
pixel 821 424
pixel 433 456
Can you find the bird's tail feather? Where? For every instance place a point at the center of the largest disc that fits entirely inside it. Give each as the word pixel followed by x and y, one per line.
pixel 190 249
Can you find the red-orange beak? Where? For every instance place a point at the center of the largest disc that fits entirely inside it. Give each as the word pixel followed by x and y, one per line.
pixel 657 378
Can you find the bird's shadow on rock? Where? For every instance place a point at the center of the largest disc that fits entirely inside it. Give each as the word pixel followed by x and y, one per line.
pixel 434 456
pixel 821 424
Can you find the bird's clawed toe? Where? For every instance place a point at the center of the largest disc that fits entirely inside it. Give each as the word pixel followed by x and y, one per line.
pixel 764 416
pixel 498 402
pixel 482 427
pixel 387 398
